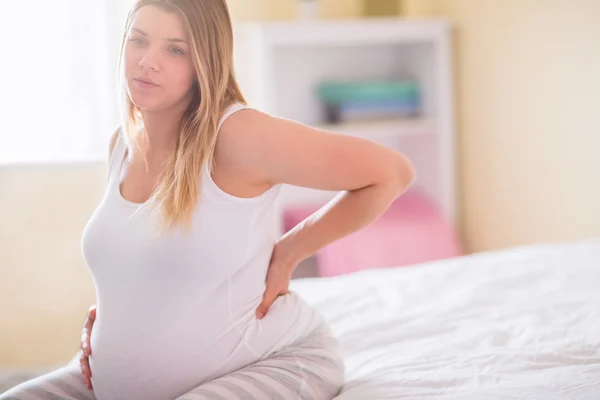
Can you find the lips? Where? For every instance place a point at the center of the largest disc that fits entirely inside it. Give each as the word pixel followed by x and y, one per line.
pixel 144 83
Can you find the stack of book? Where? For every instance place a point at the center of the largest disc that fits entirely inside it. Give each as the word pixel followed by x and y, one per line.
pixel 368 100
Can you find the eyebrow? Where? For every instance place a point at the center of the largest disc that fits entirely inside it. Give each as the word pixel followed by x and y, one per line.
pixel 173 40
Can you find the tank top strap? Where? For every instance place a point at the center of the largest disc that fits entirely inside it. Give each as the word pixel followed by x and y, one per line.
pixel 230 110
pixel 116 158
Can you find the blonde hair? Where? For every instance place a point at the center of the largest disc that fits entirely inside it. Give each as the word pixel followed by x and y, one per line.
pixel 209 26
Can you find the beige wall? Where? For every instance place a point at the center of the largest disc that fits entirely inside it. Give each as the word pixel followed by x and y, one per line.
pixel 529 95
pixel 528 104
pixel 242 10
pixel 44 287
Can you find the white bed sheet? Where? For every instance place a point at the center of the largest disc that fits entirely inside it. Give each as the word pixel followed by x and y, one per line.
pixel 521 323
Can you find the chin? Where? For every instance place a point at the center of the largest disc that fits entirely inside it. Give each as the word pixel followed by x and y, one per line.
pixel 145 102
pixel 146 105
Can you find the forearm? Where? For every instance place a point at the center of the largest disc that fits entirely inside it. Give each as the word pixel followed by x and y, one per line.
pixel 349 212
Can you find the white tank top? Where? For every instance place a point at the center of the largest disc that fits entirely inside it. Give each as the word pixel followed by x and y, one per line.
pixel 177 310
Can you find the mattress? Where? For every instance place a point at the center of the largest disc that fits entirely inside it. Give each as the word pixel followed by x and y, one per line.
pixel 520 323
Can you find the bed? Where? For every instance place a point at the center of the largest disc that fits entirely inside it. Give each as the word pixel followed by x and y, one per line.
pixel 521 323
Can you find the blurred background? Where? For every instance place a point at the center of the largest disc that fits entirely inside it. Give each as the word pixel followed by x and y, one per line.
pixel 497 101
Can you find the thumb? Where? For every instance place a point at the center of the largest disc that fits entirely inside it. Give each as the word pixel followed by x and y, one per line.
pixel 268 299
pixel 92 312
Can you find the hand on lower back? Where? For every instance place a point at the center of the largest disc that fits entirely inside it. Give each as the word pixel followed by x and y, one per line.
pixel 279 275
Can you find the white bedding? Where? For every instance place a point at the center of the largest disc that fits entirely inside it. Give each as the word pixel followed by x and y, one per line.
pixel 522 323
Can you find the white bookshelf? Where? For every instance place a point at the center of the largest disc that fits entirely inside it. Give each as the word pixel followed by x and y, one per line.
pixel 278 65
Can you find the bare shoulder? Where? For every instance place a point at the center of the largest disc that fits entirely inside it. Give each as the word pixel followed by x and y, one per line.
pixel 239 142
pixel 238 125
pixel 250 140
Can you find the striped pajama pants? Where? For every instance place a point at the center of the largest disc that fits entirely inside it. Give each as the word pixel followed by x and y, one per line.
pixel 311 369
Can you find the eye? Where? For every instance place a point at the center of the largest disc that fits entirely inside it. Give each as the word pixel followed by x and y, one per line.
pixel 176 51
pixel 138 40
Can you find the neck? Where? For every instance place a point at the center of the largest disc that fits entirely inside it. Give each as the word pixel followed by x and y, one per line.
pixel 160 132
pixel 161 129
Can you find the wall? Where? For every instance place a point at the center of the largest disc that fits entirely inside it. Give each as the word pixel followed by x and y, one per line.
pixel 529 133
pixel 45 289
pixel 243 10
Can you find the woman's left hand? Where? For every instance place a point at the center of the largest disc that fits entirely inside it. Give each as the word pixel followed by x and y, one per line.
pixel 279 275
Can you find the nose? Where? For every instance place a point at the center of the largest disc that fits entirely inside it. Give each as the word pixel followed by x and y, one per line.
pixel 149 60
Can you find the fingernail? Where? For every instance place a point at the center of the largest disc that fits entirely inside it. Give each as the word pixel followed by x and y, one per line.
pixel 260 315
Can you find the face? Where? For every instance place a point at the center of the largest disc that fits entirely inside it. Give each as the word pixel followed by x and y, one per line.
pixel 159 72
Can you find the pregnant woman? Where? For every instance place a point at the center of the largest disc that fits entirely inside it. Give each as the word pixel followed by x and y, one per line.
pixel 191 280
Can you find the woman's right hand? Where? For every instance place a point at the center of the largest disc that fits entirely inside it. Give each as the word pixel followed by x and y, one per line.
pixel 86 349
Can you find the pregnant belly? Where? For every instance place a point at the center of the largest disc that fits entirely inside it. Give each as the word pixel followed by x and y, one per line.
pixel 165 360
pixel 158 365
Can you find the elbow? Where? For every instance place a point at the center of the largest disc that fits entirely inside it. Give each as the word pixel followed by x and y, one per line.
pixel 405 175
pixel 395 176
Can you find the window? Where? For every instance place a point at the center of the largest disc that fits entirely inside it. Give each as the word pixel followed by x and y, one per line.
pixel 58 95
